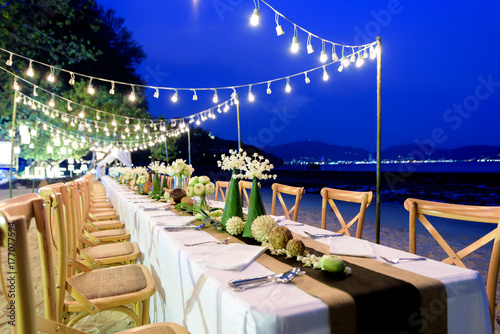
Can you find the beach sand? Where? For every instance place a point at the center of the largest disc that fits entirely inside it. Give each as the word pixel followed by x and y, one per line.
pixel 393 233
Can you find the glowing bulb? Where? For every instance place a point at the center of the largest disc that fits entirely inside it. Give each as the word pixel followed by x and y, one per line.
pixel 131 97
pixel 112 89
pixel 352 59
pixel 323 57
pixel 251 97
pixel 44 126
pixel 365 53
pixel 360 60
pixel 254 20
pixel 30 71
pixel 16 85
pixel 49 149
pixel 90 88
pixel 175 97
pixel 334 56
pixel 72 79
pixel 195 97
pixel 215 99
pixel 81 114
pixel 373 54
pixel 52 103
pixel 307 80
pixel 279 30
pixel 341 67
pixel 35 93
pixel 226 107
pixel 198 121
pixel 69 106
pixel 156 94
pixel 126 129
pixel 295 44
pixel 345 62
pixel 114 122
pixel 325 75
pixel 288 88
pixel 51 77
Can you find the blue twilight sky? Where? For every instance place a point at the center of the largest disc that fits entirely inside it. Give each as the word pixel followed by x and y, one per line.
pixel 440 68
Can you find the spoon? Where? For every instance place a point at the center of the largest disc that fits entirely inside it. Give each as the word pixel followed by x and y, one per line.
pixel 209 242
pixel 244 281
pixel 285 278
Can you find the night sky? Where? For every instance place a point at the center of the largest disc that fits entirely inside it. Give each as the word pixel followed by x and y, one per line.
pixel 440 68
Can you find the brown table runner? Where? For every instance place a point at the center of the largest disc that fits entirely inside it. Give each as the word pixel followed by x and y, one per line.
pixel 377 297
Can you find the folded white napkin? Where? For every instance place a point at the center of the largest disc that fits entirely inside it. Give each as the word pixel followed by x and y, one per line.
pixel 351 247
pixel 278 218
pixel 232 257
pixel 175 220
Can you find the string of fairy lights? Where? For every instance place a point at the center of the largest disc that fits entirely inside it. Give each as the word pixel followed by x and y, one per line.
pixel 89 121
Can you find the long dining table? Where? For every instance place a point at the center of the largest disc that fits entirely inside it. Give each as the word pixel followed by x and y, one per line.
pixel 199 297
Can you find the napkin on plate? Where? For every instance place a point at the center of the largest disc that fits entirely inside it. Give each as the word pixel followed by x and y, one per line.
pixel 232 257
pixel 175 220
pixel 351 247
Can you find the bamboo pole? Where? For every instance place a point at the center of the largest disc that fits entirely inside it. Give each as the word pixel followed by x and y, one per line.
pixel 379 137
pixel 238 118
pixel 189 145
pixel 12 141
pixel 34 157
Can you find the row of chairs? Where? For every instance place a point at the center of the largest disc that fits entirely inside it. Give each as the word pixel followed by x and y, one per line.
pixel 418 210
pixel 87 261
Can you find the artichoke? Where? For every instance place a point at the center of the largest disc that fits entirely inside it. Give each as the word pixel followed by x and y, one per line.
pixel 177 194
pixel 261 227
pixel 279 236
pixel 295 247
pixel 235 225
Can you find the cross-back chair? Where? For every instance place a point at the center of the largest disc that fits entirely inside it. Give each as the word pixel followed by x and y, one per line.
pixel 420 209
pixel 330 195
pixel 14 218
pixel 279 189
pixel 221 187
pixel 244 187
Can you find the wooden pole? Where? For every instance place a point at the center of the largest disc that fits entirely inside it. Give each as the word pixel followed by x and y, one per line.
pixel 238 118
pixel 379 137
pixel 189 146
pixel 34 157
pixel 166 149
pixel 13 134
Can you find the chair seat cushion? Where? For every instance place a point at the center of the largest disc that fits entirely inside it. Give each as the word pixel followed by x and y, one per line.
pixel 110 282
pixel 111 250
pixel 158 328
pixel 107 223
pixel 109 233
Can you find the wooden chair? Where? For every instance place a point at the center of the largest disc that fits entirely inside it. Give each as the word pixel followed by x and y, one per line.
pixel 419 209
pixel 278 189
pixel 83 249
pixel 13 219
pixel 329 195
pixel 244 187
pixel 221 187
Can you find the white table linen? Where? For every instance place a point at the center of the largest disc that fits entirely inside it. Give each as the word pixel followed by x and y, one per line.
pixel 199 298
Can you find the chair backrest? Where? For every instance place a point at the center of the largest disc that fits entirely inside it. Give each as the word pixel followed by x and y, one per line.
pixel 330 195
pixel 244 187
pixel 279 189
pixel 17 213
pixel 419 209
pixel 221 187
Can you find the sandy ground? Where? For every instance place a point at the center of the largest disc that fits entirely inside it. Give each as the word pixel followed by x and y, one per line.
pixel 394 233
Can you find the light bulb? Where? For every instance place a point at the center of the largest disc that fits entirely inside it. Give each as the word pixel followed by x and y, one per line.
pixel 215 99
pixel 226 107
pixel 35 93
pixel 254 20
pixel 365 53
pixel 51 77
pixel 175 97
pixel 9 61
pixel 82 113
pixel 310 48
pixel 131 97
pixel 334 56
pixel 345 61
pixel 195 97
pixel 126 129
pixel 295 44
pixel 16 85
pixel 325 75
pixel 72 79
pixel 360 60
pixel 373 55
pixel 52 103
pixel 30 71
pixel 114 122
pixel 44 126
pixel 251 97
pixel 127 121
pixel 341 67
pixel 112 89
pixel 279 30
pixel 156 94
pixel 49 149
pixel 288 88
pixel 352 59
pixel 307 80
pixel 69 106
pixel 323 57
pixel 90 88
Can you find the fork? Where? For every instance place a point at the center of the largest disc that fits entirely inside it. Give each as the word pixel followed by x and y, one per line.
pixel 209 242
pixel 396 260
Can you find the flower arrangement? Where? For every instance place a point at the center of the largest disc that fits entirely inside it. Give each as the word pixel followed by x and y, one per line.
pixel 179 168
pixel 255 167
pixel 235 159
pixel 158 167
pixel 200 186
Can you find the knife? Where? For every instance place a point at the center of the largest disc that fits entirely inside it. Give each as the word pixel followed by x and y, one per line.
pixel 244 281
pixel 317 236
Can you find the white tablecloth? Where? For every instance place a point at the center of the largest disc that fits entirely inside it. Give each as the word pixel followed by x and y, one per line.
pixel 200 299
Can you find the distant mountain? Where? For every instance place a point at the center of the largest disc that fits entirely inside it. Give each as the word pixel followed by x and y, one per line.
pixel 317 151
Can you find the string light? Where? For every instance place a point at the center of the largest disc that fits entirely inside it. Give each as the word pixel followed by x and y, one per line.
pixel 353 57
pixel 254 19
pixel 175 97
pixel 251 97
pixel 295 40
pixel 215 99
pixel 373 55
pixel 52 103
pixel 15 85
pixel 360 60
pixel 112 89
pixel 325 74
pixel 90 88
pixel 9 61
pixel 30 71
pixel 69 106
pixel 334 54
pixel 113 123
pixel 310 48
pixel 156 94
pixel 72 79
pixel 198 120
pixel 306 79
pixel 51 78
pixel 279 29
pixel 82 113
pixel 269 87
pixel 35 93
pixel 127 121
pixel 323 57
pixel 131 97
pixel 226 107
pixel 365 53
pixel 288 88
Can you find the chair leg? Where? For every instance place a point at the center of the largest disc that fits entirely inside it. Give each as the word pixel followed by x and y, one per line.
pixel 145 312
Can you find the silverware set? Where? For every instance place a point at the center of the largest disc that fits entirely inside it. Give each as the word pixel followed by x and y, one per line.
pixel 249 283
pixel 321 235
pixel 209 242
pixel 183 228
pixel 396 260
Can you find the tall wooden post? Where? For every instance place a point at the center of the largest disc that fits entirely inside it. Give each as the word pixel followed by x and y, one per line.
pixel 379 137
pixel 13 134
pixel 238 118
pixel 34 157
pixel 189 145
